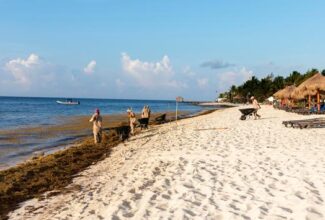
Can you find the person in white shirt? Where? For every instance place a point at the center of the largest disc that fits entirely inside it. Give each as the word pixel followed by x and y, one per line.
pixel 132 120
pixel 96 119
pixel 256 106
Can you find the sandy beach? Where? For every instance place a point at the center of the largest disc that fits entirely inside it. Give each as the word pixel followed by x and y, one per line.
pixel 20 144
pixel 212 166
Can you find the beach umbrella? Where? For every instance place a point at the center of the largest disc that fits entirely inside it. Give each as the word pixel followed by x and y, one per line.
pixel 310 87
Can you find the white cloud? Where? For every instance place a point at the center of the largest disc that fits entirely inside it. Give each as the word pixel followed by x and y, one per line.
pixel 33 75
pixel 90 68
pixel 151 74
pixel 22 69
pixel 138 67
pixel 202 82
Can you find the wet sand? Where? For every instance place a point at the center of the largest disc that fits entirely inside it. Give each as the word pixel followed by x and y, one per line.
pixel 208 167
pixel 17 145
pixel 55 171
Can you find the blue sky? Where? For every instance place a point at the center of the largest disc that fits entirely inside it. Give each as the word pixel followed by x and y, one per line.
pixel 153 49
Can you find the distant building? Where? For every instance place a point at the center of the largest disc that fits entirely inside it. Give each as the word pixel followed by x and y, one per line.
pixel 179 99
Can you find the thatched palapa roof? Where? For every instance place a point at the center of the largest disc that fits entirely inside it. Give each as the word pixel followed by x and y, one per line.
pixel 310 86
pixel 285 93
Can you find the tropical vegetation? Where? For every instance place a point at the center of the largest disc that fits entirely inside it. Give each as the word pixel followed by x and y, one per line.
pixel 265 87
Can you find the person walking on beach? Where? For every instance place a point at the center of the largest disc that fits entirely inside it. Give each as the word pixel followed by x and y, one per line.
pixel 96 119
pixel 145 115
pixel 132 120
pixel 256 106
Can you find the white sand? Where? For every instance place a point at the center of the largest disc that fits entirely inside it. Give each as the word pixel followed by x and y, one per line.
pixel 210 167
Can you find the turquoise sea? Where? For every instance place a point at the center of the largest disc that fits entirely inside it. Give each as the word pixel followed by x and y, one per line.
pixel 27 112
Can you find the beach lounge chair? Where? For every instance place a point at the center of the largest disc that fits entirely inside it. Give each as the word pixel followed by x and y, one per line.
pixel 312 124
pixel 303 111
pixel 293 123
pixel 308 123
pixel 321 111
pixel 160 119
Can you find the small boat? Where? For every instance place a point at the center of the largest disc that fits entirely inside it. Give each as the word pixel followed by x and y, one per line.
pixel 68 102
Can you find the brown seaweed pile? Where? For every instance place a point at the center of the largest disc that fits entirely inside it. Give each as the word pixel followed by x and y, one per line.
pixel 55 171
pixel 52 172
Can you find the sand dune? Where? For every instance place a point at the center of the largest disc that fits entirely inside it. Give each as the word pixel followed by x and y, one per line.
pixel 209 167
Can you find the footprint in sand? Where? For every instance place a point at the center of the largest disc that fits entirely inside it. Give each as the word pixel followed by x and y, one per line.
pixel 189 212
pixel 286 209
pixel 188 185
pixel 114 217
pixel 167 182
pixel 165 196
pixel 298 194
pixel 313 213
pixel 234 207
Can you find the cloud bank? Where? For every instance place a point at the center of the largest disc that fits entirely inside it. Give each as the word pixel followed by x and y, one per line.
pixel 23 69
pixel 150 74
pixel 34 76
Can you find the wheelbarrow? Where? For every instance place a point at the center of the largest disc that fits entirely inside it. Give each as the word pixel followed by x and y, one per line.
pixel 143 123
pixel 246 112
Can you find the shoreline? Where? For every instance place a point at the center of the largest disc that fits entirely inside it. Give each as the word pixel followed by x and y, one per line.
pixel 23 143
pixel 215 166
pixel 34 177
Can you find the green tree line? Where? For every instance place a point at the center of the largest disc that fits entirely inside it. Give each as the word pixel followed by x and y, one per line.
pixel 265 87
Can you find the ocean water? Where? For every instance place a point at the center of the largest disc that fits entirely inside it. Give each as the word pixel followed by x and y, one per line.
pixel 17 112
pixel 22 112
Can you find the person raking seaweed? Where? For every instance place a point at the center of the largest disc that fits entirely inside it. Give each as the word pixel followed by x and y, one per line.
pixel 96 119
pixel 145 115
pixel 132 120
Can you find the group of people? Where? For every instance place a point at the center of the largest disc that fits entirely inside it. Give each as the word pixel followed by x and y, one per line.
pixel 97 121
pixel 145 114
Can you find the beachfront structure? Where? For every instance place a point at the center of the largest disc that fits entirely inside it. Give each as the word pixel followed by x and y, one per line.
pixel 179 99
pixel 313 86
pixel 285 94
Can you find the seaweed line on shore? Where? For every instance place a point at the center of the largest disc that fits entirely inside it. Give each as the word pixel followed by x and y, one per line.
pixel 54 172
